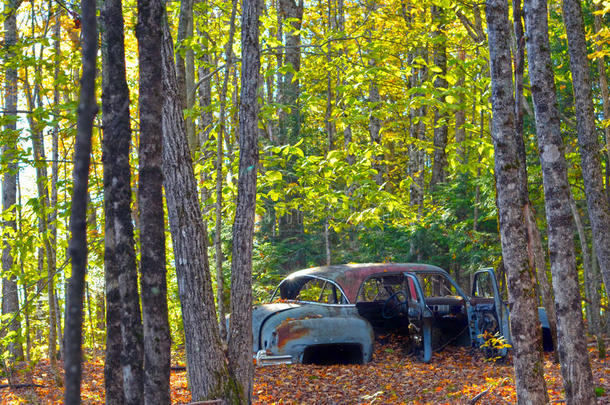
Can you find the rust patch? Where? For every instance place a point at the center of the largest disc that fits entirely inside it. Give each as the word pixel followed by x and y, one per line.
pixel 289 330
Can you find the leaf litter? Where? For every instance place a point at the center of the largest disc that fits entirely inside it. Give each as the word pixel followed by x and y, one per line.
pixel 455 375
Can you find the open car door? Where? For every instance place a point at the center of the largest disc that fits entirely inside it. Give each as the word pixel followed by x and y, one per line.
pixel 420 319
pixel 490 313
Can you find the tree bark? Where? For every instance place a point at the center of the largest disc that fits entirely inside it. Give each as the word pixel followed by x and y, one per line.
pixel 77 248
pixel 184 67
pixel 10 295
pixel 124 343
pixel 55 165
pixel 150 201
pixel 535 248
pixel 597 201
pixel 440 85
pixel 240 333
pixel 575 367
pixel 591 293
pixel 46 251
pixel 208 372
pixel 460 114
pixel 290 126
pixel 603 84
pixel 529 373
pixel 219 164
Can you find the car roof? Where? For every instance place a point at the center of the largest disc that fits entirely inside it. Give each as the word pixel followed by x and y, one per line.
pixel 350 276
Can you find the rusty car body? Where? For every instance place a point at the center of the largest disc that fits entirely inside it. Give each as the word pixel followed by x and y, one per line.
pixel 330 314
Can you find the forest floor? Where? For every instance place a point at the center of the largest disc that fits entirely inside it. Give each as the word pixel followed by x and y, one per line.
pixel 454 376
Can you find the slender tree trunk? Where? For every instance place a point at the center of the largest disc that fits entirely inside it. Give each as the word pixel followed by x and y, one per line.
pixel 460 114
pixel 329 123
pixel 290 223
pixel 290 127
pixel 529 373
pixel 124 343
pixel 26 310
pixel 240 333
pixel 440 84
pixel 184 67
pixel 418 133
pixel 538 257
pixel 150 201
pixel 597 201
pixel 34 101
pixel 575 367
pixel 207 365
pixel 327 241
pixel 603 84
pixel 219 165
pixel 55 167
pixel 591 293
pixel 206 121
pixel 43 197
pixel 77 248
pixel 10 295
pixel 374 101
pixel 535 248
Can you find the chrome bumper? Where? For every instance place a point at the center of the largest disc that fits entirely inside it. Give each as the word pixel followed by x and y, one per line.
pixel 263 359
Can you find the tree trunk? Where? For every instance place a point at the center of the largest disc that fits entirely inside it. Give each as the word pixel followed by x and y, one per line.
pixel 529 373
pixel 575 367
pixel 150 202
pixel 10 295
pixel 417 133
pixel 460 114
pixel 591 293
pixel 535 248
pixel 219 164
pixel 597 201
pixel 290 126
pixel 184 67
pixel 207 366
pixel 603 84
pixel 43 197
pixel 55 165
pixel 440 85
pixel 77 248
pixel 240 333
pixel 37 128
pixel 26 309
pixel 124 342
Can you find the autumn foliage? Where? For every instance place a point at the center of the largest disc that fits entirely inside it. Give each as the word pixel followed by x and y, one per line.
pixel 454 376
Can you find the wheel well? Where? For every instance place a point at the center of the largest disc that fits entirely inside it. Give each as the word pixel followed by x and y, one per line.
pixel 547 340
pixel 335 353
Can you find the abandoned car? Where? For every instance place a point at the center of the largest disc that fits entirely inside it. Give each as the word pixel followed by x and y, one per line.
pixel 331 314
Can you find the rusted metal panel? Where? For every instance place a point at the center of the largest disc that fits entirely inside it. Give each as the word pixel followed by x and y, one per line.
pixel 291 330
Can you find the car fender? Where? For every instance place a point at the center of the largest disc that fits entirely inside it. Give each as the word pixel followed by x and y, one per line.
pixel 290 332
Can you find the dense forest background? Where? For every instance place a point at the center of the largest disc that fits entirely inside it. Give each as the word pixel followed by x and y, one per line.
pixel 374 137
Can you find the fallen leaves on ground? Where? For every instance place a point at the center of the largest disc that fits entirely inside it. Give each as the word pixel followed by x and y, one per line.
pixel 454 376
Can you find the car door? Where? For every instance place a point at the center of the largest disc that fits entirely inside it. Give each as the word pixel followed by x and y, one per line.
pixel 420 319
pixel 490 313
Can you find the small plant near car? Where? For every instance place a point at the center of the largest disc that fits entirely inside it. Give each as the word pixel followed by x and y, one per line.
pixel 494 342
